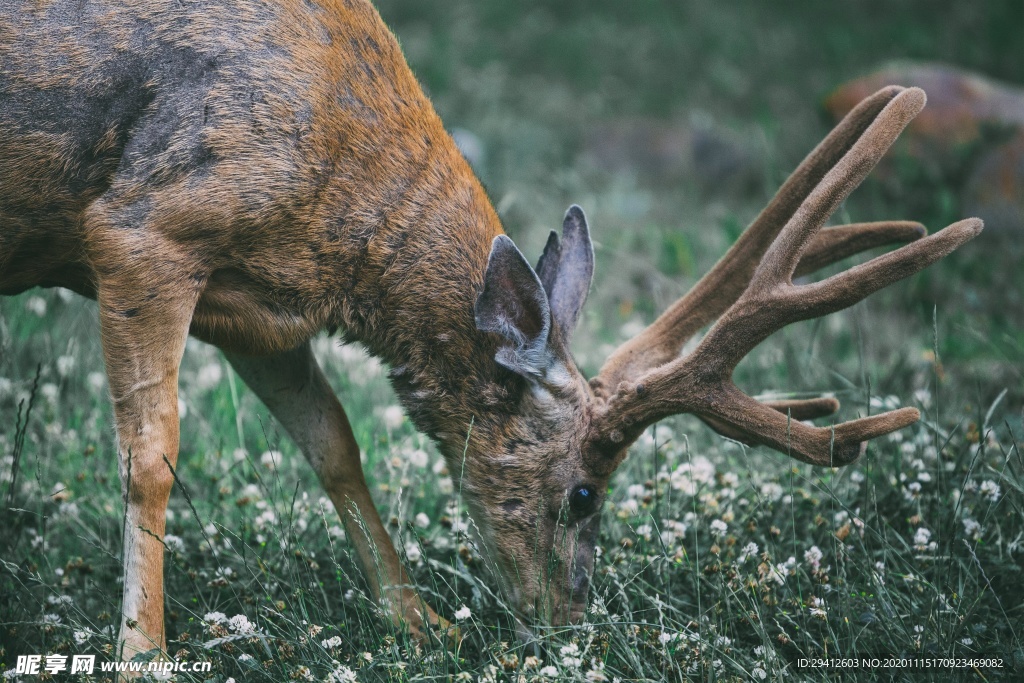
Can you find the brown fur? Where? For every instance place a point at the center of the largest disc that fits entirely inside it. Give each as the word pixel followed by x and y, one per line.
pixel 253 172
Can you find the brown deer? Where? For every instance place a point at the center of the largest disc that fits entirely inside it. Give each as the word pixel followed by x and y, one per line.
pixel 254 172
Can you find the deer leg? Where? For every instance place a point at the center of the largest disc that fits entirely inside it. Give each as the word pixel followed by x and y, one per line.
pixel 144 321
pixel 293 387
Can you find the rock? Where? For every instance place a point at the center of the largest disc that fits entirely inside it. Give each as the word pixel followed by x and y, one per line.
pixel 959 101
pixel 995 189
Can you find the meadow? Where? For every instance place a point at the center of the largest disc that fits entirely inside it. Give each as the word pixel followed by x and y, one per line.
pixel 716 561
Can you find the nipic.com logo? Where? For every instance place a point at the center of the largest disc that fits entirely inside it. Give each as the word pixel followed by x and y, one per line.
pixel 34 665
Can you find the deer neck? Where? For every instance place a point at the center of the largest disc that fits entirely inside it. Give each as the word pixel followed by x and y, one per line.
pixel 410 293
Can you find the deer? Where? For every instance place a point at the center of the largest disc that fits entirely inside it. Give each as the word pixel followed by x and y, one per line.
pixel 252 173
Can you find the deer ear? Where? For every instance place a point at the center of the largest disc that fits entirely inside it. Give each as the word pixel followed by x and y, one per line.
pixel 514 305
pixel 566 269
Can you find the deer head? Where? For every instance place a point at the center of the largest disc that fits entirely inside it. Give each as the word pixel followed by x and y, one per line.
pixel 540 475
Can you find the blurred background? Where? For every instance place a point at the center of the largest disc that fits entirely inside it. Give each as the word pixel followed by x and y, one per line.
pixel 673 123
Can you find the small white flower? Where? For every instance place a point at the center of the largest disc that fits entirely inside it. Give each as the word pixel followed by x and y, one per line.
pixel 749 550
pixel 271 459
pixel 570 656
pixel 215 618
pixel 990 490
pixel 772 491
pixel 82 636
pixel 97 381
pixel 718 527
pixel 412 551
pixel 209 376
pixel 923 542
pixel 419 458
pixel 241 624
pixel 549 672
pixel 341 674
pixel 421 520
pixel 759 673
pixel 463 613
pixel 392 417
pixel 50 391
pixel 65 364
pixel 37 305
pixel 332 642
pixel 972 529
pixel 813 557
pixel 630 507
pixel 174 543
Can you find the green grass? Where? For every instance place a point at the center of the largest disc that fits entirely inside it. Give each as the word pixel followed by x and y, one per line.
pixel 531 80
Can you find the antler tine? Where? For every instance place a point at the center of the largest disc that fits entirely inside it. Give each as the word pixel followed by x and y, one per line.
pixel 701 383
pixel 663 340
pixel 781 258
pixel 835 244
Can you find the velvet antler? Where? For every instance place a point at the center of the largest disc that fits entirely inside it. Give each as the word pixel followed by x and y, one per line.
pixel 751 288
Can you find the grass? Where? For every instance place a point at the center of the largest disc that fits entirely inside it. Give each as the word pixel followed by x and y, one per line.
pixel 917 549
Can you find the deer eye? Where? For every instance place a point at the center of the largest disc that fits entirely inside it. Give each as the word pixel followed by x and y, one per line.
pixel 583 501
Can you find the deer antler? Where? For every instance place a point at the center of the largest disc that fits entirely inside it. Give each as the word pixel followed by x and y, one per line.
pixel 644 380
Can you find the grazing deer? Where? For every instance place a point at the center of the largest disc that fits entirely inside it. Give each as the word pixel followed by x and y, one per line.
pixel 253 172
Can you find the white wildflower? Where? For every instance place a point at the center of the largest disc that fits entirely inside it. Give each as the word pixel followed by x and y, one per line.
pixel 209 376
pixel 772 491
pixel 50 392
pixel 392 417
pixel 413 552
pixel 65 364
pixel 813 557
pixel 37 305
pixel 241 624
pixel 570 656
pixel 972 529
pixel 97 381
pixel 718 527
pixel 922 540
pixel 463 613
pixel 271 459
pixel 629 507
pixel 215 618
pixel 419 458
pixel 341 674
pixel 749 550
pixel 421 520
pixel 548 672
pixel 330 643
pixel 174 543
pixel 990 490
